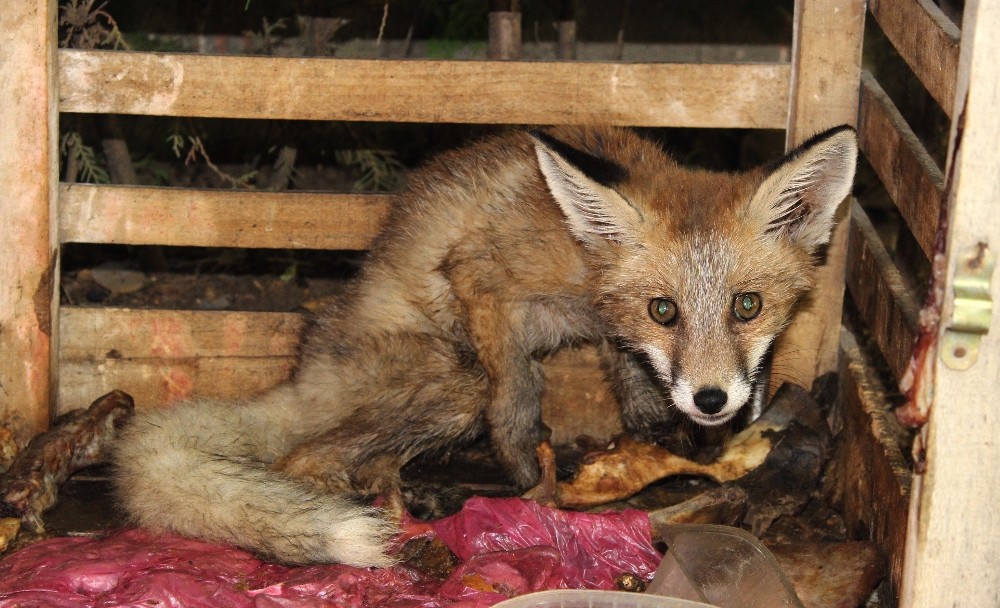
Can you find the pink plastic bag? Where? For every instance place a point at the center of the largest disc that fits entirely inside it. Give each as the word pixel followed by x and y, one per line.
pixel 507 546
pixel 593 548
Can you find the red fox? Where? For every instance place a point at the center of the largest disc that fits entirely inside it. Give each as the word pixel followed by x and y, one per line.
pixel 495 255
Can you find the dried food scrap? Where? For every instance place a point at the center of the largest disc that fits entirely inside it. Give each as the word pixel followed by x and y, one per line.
pixel 628 466
pixel 78 439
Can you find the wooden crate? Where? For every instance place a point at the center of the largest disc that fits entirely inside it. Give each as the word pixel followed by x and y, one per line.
pixel 932 524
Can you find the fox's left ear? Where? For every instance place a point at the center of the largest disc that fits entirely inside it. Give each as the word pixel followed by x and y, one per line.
pixel 798 199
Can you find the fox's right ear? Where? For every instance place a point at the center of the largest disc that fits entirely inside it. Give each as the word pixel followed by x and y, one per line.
pixel 593 210
pixel 800 196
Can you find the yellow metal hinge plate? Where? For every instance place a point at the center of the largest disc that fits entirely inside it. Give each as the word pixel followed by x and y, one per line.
pixel 972 309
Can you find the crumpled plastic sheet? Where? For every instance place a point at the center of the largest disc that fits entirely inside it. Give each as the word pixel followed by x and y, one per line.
pixel 507 547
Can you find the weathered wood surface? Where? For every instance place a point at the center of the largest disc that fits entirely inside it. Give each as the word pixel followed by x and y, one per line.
pixel 496 92
pixel 909 174
pixel 889 309
pixel 826 60
pixel 954 546
pixel 219 218
pixel 27 180
pixel 867 476
pixel 163 356
pixel 927 40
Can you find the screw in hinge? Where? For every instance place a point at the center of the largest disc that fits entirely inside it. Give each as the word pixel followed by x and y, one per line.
pixel 972 309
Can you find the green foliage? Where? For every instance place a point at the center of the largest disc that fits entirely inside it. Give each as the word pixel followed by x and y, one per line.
pixel 88 168
pixel 87 27
pixel 460 19
pixel 438 48
pixel 265 41
pixel 380 169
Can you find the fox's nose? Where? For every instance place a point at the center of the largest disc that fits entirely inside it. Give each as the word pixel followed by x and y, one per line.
pixel 710 400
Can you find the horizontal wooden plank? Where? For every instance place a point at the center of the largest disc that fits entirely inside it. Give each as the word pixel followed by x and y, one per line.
pixel 477 92
pixel 163 356
pixel 887 306
pixel 909 174
pixel 868 478
pixel 136 215
pixel 162 382
pixel 99 334
pixel 927 40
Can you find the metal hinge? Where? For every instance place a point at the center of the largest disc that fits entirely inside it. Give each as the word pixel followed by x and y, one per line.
pixel 972 310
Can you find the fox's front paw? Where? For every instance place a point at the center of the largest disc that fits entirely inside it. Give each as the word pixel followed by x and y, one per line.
pixel 523 468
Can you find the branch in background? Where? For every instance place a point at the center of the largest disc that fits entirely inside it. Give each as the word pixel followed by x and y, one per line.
pixel 263 43
pixel 197 150
pixel 381 27
pixel 88 27
pixel 620 39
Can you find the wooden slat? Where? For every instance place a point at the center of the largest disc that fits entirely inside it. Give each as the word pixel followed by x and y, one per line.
pixel 147 334
pixel 870 479
pixel 826 65
pixel 163 356
pixel 479 92
pixel 219 218
pixel 954 550
pixel 27 179
pixel 162 382
pixel 927 40
pixel 880 293
pixel 909 174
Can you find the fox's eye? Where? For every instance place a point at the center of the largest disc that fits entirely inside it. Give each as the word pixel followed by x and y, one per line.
pixel 663 310
pixel 746 306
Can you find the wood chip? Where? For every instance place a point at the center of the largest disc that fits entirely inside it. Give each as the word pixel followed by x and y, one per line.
pixel 831 575
pixel 9 527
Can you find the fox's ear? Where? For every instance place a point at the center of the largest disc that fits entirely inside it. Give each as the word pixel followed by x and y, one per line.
pixel 581 185
pixel 798 199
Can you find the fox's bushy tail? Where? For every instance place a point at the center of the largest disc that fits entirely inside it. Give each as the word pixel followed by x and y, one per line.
pixel 202 469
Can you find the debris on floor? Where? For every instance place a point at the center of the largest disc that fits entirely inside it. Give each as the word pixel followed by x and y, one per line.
pixel 505 547
pixel 77 439
pixel 493 548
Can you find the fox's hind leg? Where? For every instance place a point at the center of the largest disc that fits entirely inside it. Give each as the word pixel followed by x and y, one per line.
pixel 409 393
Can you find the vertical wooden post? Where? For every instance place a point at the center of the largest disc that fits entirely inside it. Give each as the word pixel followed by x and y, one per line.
pixel 28 182
pixel 566 30
pixel 826 72
pixel 504 30
pixel 953 544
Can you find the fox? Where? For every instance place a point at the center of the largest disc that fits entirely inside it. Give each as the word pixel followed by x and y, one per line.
pixel 494 256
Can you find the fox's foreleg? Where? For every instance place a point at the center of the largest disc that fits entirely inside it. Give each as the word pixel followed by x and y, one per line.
pixel 645 408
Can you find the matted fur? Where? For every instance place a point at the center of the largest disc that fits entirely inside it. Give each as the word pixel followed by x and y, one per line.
pixel 495 255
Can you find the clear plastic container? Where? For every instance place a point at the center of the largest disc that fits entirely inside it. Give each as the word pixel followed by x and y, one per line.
pixel 578 598
pixel 705 567
pixel 721 566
